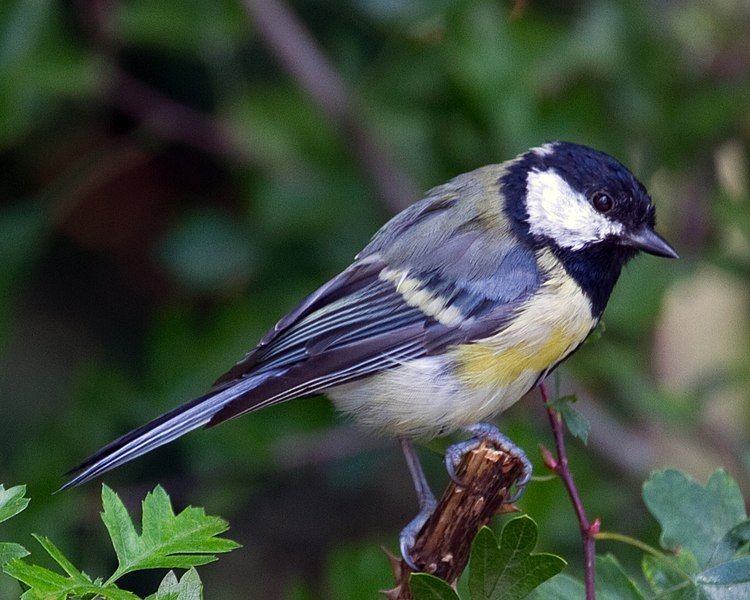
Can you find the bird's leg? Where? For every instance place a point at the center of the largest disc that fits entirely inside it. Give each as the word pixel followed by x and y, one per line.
pixel 426 503
pixel 455 453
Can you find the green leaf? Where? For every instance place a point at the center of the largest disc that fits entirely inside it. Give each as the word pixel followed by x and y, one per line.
pixel 12 501
pixel 167 541
pixel 727 581
pixel 48 585
pixel 187 588
pixel 10 551
pixel 737 537
pixel 676 578
pixel 57 555
pixel 510 571
pixel 612 583
pixel 167 588
pixel 577 424
pixel 692 516
pixel 429 587
pixel 671 577
pixel 560 587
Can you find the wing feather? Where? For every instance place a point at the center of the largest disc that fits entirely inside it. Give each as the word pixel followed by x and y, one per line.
pixel 358 323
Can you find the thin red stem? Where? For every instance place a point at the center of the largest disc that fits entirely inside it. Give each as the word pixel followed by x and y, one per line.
pixel 560 467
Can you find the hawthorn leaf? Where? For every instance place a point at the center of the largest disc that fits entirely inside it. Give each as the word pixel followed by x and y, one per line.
pixel 676 578
pixel 57 555
pixel 672 577
pixel 559 587
pixel 10 551
pixel 727 581
pixel 167 588
pixel 189 587
pixel 428 587
pixel 692 516
pixel 12 501
pixel 577 424
pixel 167 540
pixel 612 583
pixel 510 571
pixel 738 537
pixel 45 584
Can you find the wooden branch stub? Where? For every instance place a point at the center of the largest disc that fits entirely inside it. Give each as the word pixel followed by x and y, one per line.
pixel 443 544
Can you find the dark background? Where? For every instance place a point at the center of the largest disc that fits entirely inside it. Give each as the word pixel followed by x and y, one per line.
pixel 174 175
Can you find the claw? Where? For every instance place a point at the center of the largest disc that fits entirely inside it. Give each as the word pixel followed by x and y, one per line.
pixel 455 453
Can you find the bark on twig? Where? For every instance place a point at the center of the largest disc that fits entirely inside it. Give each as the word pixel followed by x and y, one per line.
pixel 443 544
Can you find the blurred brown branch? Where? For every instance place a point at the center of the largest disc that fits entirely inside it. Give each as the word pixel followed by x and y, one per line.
pixel 297 51
pixel 149 107
pixel 174 121
pixel 443 544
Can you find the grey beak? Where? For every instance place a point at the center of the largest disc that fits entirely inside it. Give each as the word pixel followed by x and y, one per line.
pixel 648 240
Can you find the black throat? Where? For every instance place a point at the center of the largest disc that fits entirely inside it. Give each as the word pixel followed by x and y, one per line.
pixel 595 269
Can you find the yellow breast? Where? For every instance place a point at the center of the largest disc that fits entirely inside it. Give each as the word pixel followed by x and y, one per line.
pixel 548 327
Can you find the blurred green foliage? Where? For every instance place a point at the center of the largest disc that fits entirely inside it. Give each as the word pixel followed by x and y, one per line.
pixel 168 190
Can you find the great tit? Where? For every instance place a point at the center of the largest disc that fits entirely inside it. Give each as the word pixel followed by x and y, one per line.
pixel 458 306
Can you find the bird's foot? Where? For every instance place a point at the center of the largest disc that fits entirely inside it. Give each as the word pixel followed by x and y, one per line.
pixel 408 535
pixel 427 504
pixel 481 431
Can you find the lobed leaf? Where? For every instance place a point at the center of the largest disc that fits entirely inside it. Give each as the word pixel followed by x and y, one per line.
pixel 185 540
pixel 559 587
pixel 510 571
pixel 692 516
pixel 671 577
pixel 189 587
pixel 10 551
pixel 738 537
pixel 612 583
pixel 428 587
pixel 12 501
pixel 578 425
pixel 48 585
pixel 182 541
pixel 727 581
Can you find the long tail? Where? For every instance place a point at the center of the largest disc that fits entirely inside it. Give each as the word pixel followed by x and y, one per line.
pixel 160 431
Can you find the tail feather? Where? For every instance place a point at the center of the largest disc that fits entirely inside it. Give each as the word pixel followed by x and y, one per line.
pixel 160 431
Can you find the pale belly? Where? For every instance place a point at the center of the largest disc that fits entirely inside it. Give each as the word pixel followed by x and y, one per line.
pixel 424 399
pixel 473 382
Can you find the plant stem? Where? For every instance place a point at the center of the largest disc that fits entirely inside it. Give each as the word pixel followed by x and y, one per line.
pixel 631 541
pixel 560 466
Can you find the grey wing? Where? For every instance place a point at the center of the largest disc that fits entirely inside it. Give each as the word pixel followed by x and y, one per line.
pixel 359 323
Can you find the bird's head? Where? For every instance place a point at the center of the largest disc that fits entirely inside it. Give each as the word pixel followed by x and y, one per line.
pixel 574 198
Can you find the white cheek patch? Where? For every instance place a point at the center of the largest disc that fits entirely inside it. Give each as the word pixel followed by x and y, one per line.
pixel 560 213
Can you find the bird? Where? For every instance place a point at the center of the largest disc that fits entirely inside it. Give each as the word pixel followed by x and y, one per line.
pixel 457 307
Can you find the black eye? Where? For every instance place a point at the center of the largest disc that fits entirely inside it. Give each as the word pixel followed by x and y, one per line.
pixel 602 202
